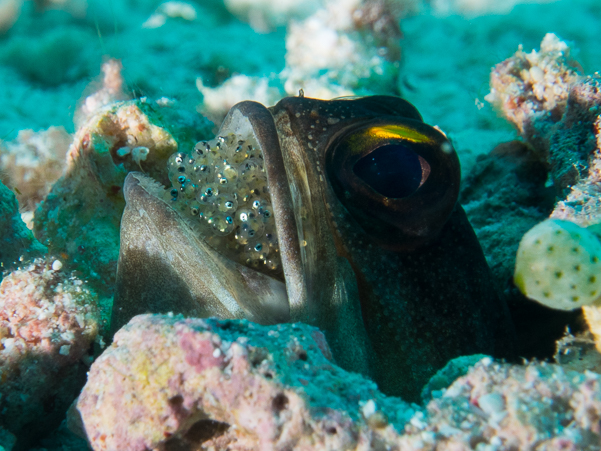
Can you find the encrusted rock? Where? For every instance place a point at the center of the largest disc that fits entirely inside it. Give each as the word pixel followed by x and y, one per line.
pixel 80 217
pixel 507 407
pixel 48 321
pixel 530 87
pixel 16 240
pixel 172 383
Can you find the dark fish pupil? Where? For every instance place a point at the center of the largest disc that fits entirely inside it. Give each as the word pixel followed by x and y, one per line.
pixel 393 170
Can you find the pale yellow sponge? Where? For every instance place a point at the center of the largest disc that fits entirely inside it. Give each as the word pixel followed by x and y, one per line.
pixel 559 265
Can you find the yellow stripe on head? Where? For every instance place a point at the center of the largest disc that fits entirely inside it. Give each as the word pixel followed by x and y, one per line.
pixel 399 131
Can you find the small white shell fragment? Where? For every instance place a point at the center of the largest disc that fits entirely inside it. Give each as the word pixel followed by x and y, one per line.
pixel 57 265
pixel 537 74
pixel 369 408
pixel 492 403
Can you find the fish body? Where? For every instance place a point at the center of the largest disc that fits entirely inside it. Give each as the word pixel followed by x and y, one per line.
pixel 372 246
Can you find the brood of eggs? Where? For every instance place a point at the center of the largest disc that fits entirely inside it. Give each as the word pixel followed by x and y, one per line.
pixel 221 186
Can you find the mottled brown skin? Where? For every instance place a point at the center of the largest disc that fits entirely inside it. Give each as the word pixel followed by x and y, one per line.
pixel 399 286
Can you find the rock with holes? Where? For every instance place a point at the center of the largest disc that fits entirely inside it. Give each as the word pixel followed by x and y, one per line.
pixel 172 383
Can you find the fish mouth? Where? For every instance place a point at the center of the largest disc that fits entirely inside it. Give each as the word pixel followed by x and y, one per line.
pixel 166 266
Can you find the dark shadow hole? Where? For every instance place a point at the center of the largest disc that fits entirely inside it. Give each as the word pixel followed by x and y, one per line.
pixel 176 401
pixel 279 403
pixel 203 430
pixel 200 432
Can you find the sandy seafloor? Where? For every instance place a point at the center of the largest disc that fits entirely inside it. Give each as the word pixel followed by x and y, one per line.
pixel 48 59
pixel 51 54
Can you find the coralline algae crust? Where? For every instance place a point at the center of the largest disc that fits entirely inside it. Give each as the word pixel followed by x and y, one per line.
pixel 170 382
pixel 48 320
pixel 228 384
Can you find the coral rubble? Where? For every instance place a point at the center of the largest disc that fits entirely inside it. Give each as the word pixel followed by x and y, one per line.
pixel 174 383
pixel 169 382
pixel 345 48
pixel 557 112
pixel 349 47
pixel 48 321
pixel 80 216
pixel 266 15
pixel 507 407
pixel 33 162
pixel 530 87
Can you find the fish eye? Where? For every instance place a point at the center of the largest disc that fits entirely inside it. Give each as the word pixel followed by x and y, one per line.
pixel 392 170
pixel 398 179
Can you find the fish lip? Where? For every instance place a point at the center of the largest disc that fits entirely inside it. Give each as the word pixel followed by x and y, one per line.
pixel 261 124
pixel 219 286
pixel 136 179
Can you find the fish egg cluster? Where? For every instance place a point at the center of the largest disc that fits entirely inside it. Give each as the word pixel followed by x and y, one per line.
pixel 221 185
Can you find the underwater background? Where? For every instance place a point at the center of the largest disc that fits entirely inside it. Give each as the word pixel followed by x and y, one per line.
pixel 514 87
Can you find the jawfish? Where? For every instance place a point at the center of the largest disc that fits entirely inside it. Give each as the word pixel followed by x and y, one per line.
pixel 342 214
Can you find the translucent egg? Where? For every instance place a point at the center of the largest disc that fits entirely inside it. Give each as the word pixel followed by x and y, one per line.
pixel 222 186
pixel 179 163
pixel 272 240
pixel 208 193
pixel 245 233
pixel 263 208
pixel 176 160
pixel 251 169
pixel 228 173
pixel 226 203
pixel 240 152
pixel 188 191
pixel 272 264
pixel 195 209
pixel 202 149
pixel 257 249
pixel 170 195
pixel 222 223
pixel 250 217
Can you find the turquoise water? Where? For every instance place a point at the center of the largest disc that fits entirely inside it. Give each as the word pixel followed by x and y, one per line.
pixel 204 58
